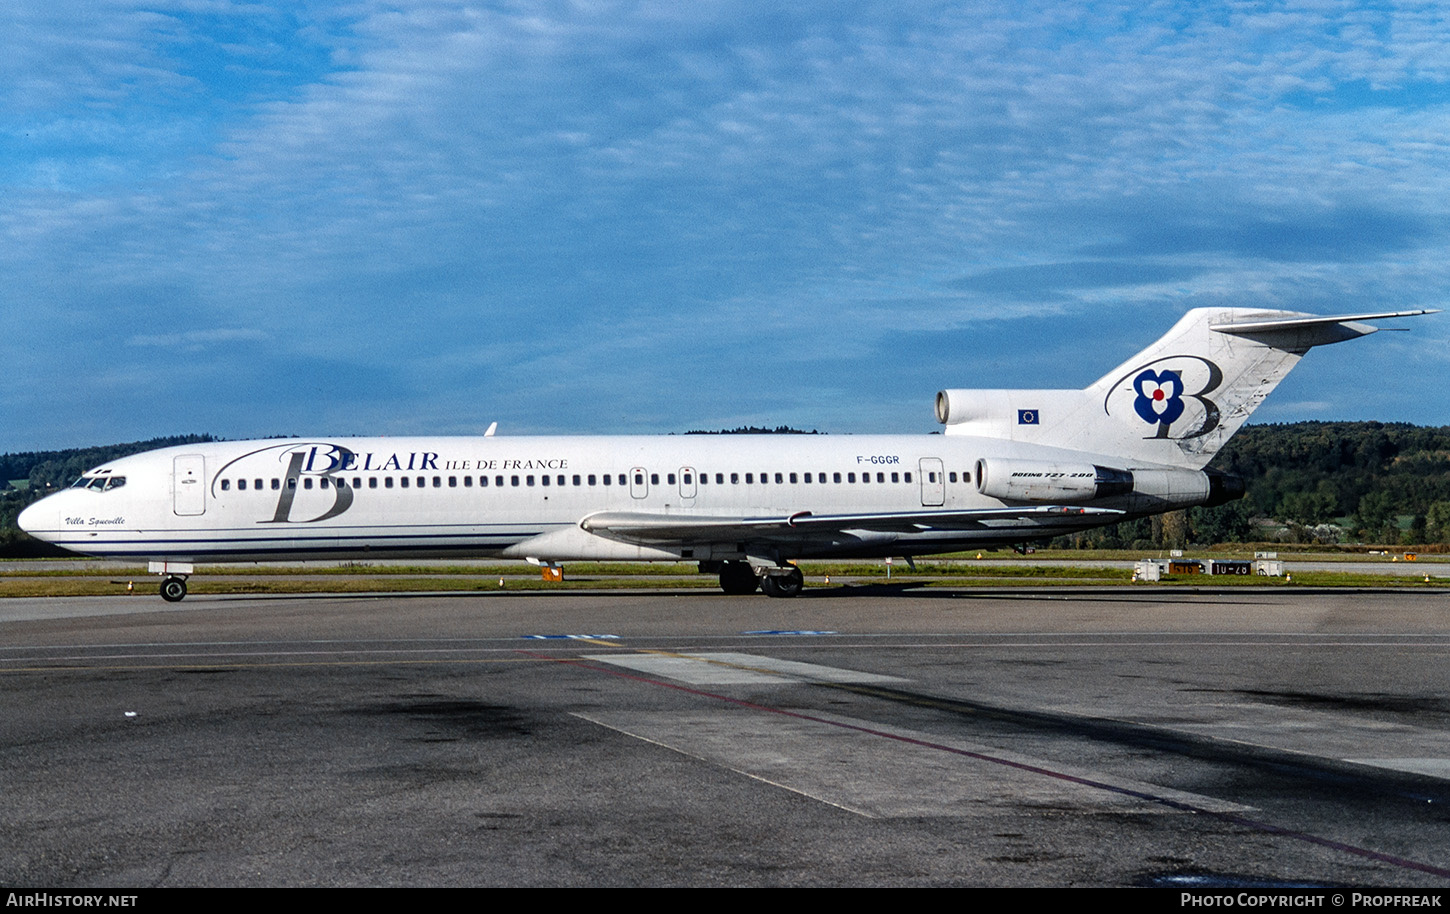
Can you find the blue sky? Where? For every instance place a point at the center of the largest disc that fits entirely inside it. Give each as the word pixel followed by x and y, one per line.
pixel 265 217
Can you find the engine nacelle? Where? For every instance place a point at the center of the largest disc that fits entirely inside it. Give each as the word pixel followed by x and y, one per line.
pixel 956 407
pixel 1035 480
pixel 1068 483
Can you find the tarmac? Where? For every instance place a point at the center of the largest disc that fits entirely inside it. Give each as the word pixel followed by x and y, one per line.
pixel 871 735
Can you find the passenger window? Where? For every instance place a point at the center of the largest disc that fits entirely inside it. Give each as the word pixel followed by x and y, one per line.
pixel 720 479
pixel 792 478
pixel 291 482
pixel 779 479
pixel 670 478
pixel 576 479
pixel 749 478
pixel 226 485
pixel 836 476
pixel 592 479
pixel 437 482
pixel 880 477
pixel 908 477
pixel 850 477
pixel 654 479
pixel 544 480
pixel 387 482
pixel 896 477
pixel 734 479
pixel 241 485
pixel 372 482
pixel 322 482
pixel 808 477
pixel 498 481
pixel 468 482
pixel 483 482
pixel 402 482
pixel 452 482
pixel 608 480
pixel 276 484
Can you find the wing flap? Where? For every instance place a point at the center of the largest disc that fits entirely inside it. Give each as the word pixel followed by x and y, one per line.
pixel 654 528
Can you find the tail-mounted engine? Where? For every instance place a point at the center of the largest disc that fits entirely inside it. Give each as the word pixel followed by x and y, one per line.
pixel 1072 483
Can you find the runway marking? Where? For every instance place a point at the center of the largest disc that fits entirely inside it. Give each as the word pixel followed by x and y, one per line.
pixel 782 631
pixel 842 761
pixel 725 668
pixel 1152 795
pixel 1306 731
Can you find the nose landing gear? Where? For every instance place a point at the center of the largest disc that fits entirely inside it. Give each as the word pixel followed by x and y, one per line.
pixel 173 589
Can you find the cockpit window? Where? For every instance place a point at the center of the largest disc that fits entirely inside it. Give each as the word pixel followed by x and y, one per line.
pixel 99 483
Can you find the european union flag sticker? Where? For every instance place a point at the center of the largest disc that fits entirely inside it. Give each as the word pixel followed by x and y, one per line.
pixel 1026 417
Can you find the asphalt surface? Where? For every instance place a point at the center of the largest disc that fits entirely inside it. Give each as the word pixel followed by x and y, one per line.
pixel 853 736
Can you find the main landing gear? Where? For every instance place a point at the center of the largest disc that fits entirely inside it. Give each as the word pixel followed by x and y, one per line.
pixel 739 578
pixel 783 585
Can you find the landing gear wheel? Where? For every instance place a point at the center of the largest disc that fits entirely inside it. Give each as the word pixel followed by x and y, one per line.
pixel 173 589
pixel 737 578
pixel 783 585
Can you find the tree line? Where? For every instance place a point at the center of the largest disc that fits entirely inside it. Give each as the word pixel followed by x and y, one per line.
pixel 1332 482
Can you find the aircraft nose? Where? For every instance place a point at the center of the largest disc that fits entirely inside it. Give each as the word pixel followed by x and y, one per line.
pixel 38 519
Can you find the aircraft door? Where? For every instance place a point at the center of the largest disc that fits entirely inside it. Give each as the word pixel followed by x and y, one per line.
pixel 688 488
pixel 188 485
pixel 638 482
pixel 933 482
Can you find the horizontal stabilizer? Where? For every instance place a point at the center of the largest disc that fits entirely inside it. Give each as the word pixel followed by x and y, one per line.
pixel 1302 323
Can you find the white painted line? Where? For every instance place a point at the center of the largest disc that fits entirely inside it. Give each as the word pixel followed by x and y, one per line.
pixel 736 669
pixel 886 772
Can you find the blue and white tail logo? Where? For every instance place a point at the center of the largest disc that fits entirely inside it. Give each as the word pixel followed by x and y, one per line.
pixel 1169 397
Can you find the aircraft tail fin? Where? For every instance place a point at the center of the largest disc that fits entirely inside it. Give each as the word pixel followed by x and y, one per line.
pixel 1175 403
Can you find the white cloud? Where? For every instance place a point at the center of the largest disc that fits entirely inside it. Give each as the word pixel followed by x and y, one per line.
pixel 609 197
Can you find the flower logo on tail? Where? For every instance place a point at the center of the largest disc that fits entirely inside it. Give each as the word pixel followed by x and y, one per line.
pixel 1160 396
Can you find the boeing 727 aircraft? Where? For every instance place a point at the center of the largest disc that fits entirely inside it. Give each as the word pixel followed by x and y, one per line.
pixel 1013 466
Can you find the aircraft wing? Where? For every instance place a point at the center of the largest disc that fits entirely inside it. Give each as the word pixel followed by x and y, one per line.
pixel 638 527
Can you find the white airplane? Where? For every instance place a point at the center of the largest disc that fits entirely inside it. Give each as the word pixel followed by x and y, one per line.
pixel 1013 466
